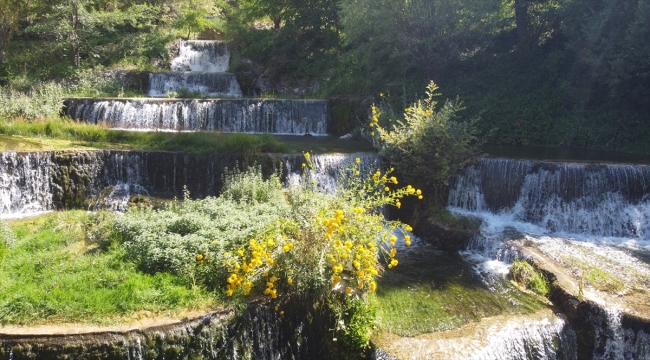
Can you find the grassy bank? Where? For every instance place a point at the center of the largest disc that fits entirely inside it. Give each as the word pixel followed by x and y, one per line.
pixel 52 131
pixel 54 273
pixel 436 291
pixel 59 134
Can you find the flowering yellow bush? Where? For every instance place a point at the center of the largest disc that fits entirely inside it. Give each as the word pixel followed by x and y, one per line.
pixel 340 238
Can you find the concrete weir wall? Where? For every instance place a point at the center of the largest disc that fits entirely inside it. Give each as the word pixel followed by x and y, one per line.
pixel 275 116
pixel 49 180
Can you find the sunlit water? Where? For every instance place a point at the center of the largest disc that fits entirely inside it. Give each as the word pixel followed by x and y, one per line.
pixel 592 219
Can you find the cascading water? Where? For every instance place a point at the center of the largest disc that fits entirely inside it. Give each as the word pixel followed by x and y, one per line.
pixel 209 84
pixel 280 117
pixel 202 55
pixel 25 185
pixel 199 67
pixel 32 182
pixel 599 200
pixel 591 219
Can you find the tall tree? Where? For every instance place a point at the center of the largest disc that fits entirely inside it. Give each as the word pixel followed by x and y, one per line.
pixel 10 13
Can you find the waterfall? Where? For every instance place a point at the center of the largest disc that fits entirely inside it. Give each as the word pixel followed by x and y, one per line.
pixel 574 198
pixel 199 68
pixel 588 218
pixel 329 168
pixel 201 55
pixel 25 185
pixel 32 182
pixel 280 117
pixel 211 84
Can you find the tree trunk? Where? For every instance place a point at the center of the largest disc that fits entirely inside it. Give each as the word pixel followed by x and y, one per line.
pixel 277 21
pixel 5 33
pixel 74 39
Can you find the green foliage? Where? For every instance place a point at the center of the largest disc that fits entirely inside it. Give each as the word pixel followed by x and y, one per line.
pixel 526 275
pixel 52 275
pixel 355 324
pixel 98 136
pixel 194 20
pixel 260 236
pixel 430 144
pixel 299 38
pixel 248 186
pixel 45 100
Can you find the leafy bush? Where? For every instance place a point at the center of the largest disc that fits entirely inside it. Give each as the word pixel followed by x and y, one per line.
pixel 44 100
pixel 430 144
pixel 261 238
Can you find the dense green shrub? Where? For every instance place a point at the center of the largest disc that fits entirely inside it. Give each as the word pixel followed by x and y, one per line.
pixel 430 144
pixel 44 100
pixel 259 237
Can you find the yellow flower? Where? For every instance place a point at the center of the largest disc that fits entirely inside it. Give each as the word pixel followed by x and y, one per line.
pixel 372 133
pixel 398 204
pixel 373 286
pixel 358 160
pixel 381 94
pixel 393 179
pixel 372 124
pixel 307 155
pixel 289 281
pixel 420 197
pixel 216 242
pixel 282 312
pixel 348 290
pixel 419 192
pixel 229 292
pixel 387 189
pixel 199 257
pixel 304 165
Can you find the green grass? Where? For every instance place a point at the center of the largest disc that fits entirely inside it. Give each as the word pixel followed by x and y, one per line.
pixel 527 276
pixel 53 275
pixel 94 136
pixel 435 291
pixel 57 134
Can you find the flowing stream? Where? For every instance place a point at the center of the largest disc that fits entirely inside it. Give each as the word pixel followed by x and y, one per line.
pixel 594 219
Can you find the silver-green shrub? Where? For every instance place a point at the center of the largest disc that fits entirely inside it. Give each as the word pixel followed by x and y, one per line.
pixel 43 101
pixel 170 239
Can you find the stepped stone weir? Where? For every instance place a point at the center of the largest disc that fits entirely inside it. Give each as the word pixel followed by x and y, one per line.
pixel 32 182
pixel 211 84
pixel 199 67
pixel 275 116
pixel 600 200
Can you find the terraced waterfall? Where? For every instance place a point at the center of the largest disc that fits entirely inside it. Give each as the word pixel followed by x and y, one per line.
pixel 199 70
pixel 593 219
